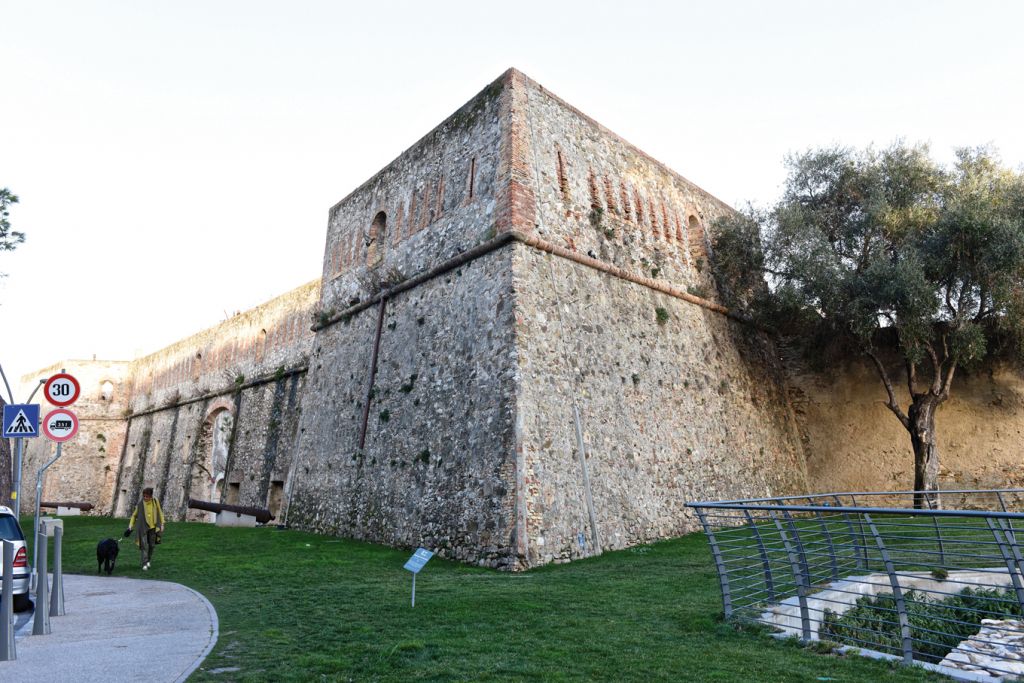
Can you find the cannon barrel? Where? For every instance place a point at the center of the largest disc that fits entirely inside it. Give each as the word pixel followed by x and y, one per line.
pixel 84 507
pixel 262 515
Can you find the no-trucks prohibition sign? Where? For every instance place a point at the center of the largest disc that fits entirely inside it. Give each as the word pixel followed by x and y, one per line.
pixel 60 425
pixel 62 389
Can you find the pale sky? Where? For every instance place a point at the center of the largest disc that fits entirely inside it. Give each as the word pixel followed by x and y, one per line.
pixel 176 160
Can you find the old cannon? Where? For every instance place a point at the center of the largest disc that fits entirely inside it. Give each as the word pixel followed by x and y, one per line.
pixel 67 509
pixel 233 515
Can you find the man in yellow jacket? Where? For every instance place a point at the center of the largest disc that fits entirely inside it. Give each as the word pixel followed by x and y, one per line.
pixel 151 523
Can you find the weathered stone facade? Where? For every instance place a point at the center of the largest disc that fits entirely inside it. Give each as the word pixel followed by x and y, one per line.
pixel 87 469
pixel 516 265
pixel 157 427
pixel 517 357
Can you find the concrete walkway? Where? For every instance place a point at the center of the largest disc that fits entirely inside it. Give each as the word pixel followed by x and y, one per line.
pixel 117 629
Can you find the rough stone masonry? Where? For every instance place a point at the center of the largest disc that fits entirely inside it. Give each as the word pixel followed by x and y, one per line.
pixel 518 358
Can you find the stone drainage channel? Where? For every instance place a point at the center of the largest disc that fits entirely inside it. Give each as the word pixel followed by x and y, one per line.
pixel 995 653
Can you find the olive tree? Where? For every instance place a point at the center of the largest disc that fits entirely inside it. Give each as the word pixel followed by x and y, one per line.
pixel 874 249
pixel 9 239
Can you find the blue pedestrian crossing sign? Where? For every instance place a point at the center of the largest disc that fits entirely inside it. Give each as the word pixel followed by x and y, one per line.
pixel 21 421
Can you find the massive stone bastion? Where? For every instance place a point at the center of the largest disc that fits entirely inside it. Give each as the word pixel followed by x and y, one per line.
pixel 514 355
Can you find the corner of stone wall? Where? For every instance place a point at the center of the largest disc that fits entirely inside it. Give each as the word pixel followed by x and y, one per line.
pixel 516 203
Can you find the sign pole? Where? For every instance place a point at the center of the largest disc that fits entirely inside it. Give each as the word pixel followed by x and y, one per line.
pixel 415 564
pixel 35 525
pixel 16 484
pixel 18 462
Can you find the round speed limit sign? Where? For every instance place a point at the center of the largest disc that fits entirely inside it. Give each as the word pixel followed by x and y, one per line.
pixel 62 389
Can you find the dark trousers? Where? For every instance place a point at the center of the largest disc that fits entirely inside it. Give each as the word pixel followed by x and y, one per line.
pixel 148 545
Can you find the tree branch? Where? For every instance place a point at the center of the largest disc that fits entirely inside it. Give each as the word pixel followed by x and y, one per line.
pixel 892 404
pixel 982 296
pixel 936 369
pixel 949 302
pixel 947 383
pixel 965 297
pixel 911 377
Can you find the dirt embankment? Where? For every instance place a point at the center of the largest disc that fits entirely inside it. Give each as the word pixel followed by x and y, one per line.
pixel 854 443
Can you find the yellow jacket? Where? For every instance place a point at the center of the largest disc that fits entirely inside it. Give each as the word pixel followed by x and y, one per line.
pixel 154 514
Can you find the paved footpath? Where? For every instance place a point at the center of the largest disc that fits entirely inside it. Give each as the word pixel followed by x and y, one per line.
pixel 117 629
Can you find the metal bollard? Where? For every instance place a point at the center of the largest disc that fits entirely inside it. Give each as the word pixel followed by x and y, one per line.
pixel 8 651
pixel 41 624
pixel 57 591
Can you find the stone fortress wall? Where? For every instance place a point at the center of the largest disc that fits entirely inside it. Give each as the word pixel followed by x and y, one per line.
pixel 88 466
pixel 212 416
pixel 676 400
pixel 516 358
pixel 410 439
pixel 453 424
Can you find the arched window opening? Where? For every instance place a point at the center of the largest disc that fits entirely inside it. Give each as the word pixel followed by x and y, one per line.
pixel 107 390
pixel 376 237
pixel 695 237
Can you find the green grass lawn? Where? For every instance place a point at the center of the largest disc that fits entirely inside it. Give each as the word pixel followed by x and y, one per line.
pixel 300 607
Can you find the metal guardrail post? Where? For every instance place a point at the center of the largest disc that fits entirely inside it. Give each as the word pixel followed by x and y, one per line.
pixel 1002 505
pixel 897 593
pixel 853 535
pixel 8 650
pixel 938 537
pixel 1014 564
pixel 57 593
pixel 768 582
pixel 41 624
pixel 863 537
pixel 723 576
pixel 831 546
pixel 798 575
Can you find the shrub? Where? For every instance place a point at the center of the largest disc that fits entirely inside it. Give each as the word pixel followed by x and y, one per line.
pixel 936 627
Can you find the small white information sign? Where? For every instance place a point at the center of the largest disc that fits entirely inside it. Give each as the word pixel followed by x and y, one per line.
pixel 418 559
pixel 415 564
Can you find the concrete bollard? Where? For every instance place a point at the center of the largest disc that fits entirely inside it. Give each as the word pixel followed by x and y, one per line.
pixel 8 651
pixel 41 624
pixel 57 592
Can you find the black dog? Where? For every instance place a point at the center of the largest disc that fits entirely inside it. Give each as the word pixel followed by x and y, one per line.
pixel 106 555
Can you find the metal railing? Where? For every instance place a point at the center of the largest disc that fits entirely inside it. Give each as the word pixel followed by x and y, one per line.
pixel 889 572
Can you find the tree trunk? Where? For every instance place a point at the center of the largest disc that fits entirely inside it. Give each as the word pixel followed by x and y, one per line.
pixel 926 451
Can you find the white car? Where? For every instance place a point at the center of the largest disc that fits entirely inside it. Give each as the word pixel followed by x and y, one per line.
pixel 10 530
